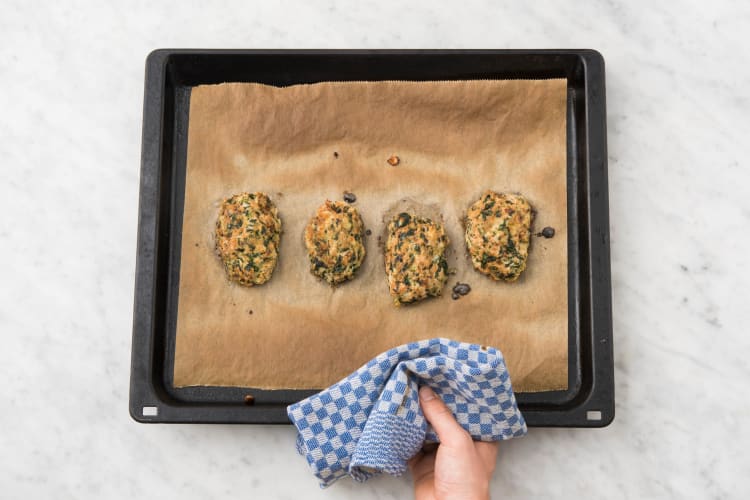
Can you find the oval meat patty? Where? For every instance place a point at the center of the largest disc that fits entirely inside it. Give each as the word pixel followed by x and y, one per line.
pixel 415 258
pixel 498 229
pixel 334 238
pixel 248 231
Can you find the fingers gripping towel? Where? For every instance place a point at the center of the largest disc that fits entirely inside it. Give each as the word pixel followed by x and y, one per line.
pixel 370 422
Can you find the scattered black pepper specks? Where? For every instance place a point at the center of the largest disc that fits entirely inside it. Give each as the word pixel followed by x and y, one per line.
pixel 683 267
pixel 455 296
pixel 196 244
pixel 335 154
pixel 368 232
pixel 249 400
pixel 250 311
pixel 349 197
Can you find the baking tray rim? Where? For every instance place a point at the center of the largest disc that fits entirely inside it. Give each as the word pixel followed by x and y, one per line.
pixel 147 387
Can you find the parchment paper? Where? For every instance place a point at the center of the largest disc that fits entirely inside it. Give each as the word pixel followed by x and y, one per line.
pixel 454 140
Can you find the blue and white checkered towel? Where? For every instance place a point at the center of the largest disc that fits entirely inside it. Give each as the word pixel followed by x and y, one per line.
pixel 371 422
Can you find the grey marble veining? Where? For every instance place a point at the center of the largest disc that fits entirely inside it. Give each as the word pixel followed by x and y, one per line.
pixel 71 86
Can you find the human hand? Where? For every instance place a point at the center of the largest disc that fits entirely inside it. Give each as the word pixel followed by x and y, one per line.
pixel 459 468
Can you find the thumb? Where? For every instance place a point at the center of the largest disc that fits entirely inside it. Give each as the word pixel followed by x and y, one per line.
pixel 441 418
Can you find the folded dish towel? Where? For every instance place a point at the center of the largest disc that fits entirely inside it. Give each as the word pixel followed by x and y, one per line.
pixel 370 422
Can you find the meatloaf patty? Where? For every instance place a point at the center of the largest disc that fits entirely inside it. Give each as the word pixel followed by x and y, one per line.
pixel 334 238
pixel 415 258
pixel 498 229
pixel 248 231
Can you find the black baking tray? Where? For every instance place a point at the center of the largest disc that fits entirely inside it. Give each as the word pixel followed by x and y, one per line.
pixel 170 76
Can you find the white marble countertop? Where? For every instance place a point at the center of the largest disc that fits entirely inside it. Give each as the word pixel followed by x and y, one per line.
pixel 71 89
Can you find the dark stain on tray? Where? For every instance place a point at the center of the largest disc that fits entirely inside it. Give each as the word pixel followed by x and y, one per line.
pixel 459 290
pixel 547 232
